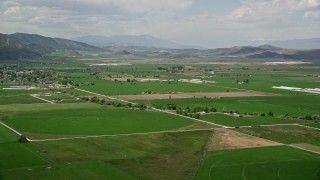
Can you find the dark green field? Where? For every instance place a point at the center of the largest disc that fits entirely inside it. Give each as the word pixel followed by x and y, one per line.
pixel 19 99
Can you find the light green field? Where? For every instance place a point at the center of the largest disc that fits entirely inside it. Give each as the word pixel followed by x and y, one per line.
pixel 19 99
pixel 95 122
pixel 246 121
pixel 279 162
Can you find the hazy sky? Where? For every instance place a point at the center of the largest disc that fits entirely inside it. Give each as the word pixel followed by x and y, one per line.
pixel 210 23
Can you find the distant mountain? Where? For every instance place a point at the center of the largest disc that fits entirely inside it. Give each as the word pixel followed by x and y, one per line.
pixel 129 40
pixel 264 52
pixel 22 45
pixel 298 44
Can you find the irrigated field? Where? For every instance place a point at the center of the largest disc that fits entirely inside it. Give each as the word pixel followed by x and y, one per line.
pixel 279 162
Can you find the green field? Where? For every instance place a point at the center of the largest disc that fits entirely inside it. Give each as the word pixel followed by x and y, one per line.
pixel 228 120
pixel 95 122
pixel 261 163
pixel 293 105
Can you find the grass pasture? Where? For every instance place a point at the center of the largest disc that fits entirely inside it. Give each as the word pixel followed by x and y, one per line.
pixel 278 162
pixel 95 122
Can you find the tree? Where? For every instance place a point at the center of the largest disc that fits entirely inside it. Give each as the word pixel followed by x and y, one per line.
pixel 308 117
pixel 22 138
pixel 270 114
pixel 263 114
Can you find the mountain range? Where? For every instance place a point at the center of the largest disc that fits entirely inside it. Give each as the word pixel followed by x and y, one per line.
pixel 129 40
pixel 20 45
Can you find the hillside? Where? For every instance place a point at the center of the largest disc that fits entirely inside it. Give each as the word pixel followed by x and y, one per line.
pixel 22 45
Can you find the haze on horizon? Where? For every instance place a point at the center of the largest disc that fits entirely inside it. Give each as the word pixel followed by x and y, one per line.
pixel 206 23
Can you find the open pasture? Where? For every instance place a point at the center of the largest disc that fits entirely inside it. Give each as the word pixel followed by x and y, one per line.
pixel 279 162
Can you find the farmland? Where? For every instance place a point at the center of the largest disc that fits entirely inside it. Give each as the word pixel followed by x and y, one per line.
pixel 111 121
pixel 95 122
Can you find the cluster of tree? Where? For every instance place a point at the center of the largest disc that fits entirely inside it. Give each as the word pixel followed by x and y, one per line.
pixel 311 117
pixel 187 109
pixel 270 114
pixel 114 103
pixel 173 69
pixel 147 92
pixel 246 81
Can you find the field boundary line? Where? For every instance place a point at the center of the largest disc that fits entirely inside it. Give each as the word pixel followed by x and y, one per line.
pixel 305 149
pixel 205 152
pixel 42 99
pixel 115 135
pixel 308 127
pixel 267 125
pixel 13 130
